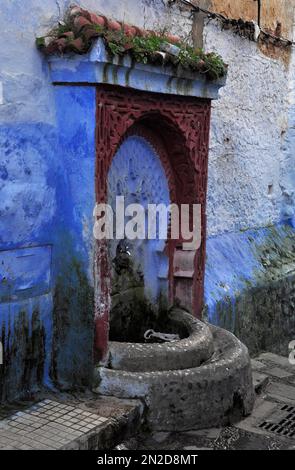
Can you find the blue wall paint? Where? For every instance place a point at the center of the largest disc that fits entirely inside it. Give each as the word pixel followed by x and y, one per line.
pixel 25 273
pixel 137 174
pixel 27 203
pixel 28 217
pixel 239 261
pixel 9 320
pixel 76 133
pixel 46 204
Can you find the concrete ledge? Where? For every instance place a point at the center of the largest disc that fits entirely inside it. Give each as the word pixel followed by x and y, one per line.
pixel 186 353
pixel 99 67
pixel 217 393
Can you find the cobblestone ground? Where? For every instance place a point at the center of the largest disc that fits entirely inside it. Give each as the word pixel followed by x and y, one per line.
pixel 270 427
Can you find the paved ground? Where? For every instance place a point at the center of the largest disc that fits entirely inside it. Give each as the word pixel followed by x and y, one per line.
pixel 66 423
pixel 271 426
pixel 62 422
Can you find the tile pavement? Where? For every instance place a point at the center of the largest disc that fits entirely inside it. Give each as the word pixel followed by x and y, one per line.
pixel 48 425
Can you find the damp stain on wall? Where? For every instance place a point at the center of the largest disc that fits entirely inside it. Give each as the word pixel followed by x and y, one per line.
pixel 249 286
pixel 46 293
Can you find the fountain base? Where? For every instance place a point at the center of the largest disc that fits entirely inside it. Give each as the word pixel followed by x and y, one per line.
pixel 201 381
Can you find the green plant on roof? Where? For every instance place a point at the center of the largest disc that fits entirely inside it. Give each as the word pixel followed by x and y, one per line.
pixel 151 47
pixel 215 66
pixel 116 41
pixel 145 47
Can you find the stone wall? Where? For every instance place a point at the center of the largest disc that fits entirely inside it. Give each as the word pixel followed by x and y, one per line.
pixel 251 191
pixel 247 133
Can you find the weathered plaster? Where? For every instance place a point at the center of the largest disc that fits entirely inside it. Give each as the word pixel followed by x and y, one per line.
pixel 249 286
pixel 288 152
pixel 248 123
pixel 273 12
pixel 26 89
pixel 47 217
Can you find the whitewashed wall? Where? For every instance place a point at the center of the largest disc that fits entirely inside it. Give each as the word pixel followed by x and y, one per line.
pixel 249 123
pixel 23 73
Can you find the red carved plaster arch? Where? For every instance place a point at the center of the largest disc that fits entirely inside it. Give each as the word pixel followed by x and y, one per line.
pixel 178 128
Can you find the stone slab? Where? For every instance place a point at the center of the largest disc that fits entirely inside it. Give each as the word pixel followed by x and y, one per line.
pixel 260 381
pixel 281 392
pixel 278 372
pixel 257 365
pixel 99 67
pixel 280 361
pixel 262 410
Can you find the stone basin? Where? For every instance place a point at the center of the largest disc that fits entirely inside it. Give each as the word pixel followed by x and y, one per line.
pixel 188 352
pixel 200 381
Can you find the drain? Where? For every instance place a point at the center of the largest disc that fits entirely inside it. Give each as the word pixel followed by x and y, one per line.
pixel 284 424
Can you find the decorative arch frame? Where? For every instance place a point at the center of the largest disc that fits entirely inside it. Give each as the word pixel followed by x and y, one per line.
pixel 178 128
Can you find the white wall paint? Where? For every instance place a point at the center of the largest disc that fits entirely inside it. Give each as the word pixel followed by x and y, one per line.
pixel 23 70
pixel 247 132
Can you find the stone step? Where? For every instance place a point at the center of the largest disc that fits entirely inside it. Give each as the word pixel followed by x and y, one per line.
pixel 260 381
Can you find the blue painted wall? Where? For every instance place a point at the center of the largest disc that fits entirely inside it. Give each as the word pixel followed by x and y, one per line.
pixel 137 174
pixel 249 285
pixel 47 199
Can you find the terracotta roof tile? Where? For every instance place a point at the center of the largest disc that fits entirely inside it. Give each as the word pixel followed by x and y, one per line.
pixel 114 25
pixel 82 23
pixel 81 27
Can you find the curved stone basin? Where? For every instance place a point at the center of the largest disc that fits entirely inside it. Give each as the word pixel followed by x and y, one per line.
pixel 202 381
pixel 189 352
